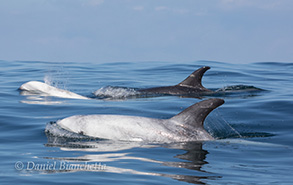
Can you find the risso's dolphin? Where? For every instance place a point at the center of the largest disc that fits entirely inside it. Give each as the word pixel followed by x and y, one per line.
pixel 48 90
pixel 185 126
pixel 191 85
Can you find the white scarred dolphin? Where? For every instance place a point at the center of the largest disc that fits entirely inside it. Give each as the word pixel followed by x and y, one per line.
pixel 185 126
pixel 48 90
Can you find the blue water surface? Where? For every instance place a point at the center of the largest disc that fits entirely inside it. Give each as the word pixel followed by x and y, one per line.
pixel 253 129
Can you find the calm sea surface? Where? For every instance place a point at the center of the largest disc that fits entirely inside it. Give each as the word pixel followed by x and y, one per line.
pixel 254 128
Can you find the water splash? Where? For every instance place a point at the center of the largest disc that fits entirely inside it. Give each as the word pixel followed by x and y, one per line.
pixel 57 77
pixel 115 92
pixel 239 88
pixel 54 129
pixel 48 79
pixel 219 128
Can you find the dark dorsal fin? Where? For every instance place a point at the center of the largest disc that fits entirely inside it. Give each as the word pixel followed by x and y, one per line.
pixel 195 115
pixel 194 80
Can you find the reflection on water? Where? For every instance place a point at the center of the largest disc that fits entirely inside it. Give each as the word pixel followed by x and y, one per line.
pixel 38 99
pixel 118 158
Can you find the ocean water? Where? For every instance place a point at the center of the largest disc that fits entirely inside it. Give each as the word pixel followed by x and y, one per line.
pixel 253 129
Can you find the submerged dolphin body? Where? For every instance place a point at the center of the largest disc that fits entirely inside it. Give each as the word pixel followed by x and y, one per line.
pixel 48 90
pixel 185 126
pixel 191 85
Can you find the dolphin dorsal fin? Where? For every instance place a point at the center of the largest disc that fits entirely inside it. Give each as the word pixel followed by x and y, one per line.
pixel 195 115
pixel 194 79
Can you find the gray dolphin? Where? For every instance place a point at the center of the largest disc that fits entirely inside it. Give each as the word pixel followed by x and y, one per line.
pixel 191 85
pixel 183 127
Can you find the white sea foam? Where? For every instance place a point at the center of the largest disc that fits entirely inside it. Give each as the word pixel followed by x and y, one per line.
pixel 115 92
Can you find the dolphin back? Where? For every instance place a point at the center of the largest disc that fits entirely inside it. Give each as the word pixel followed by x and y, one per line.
pixel 193 117
pixel 185 126
pixel 194 79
